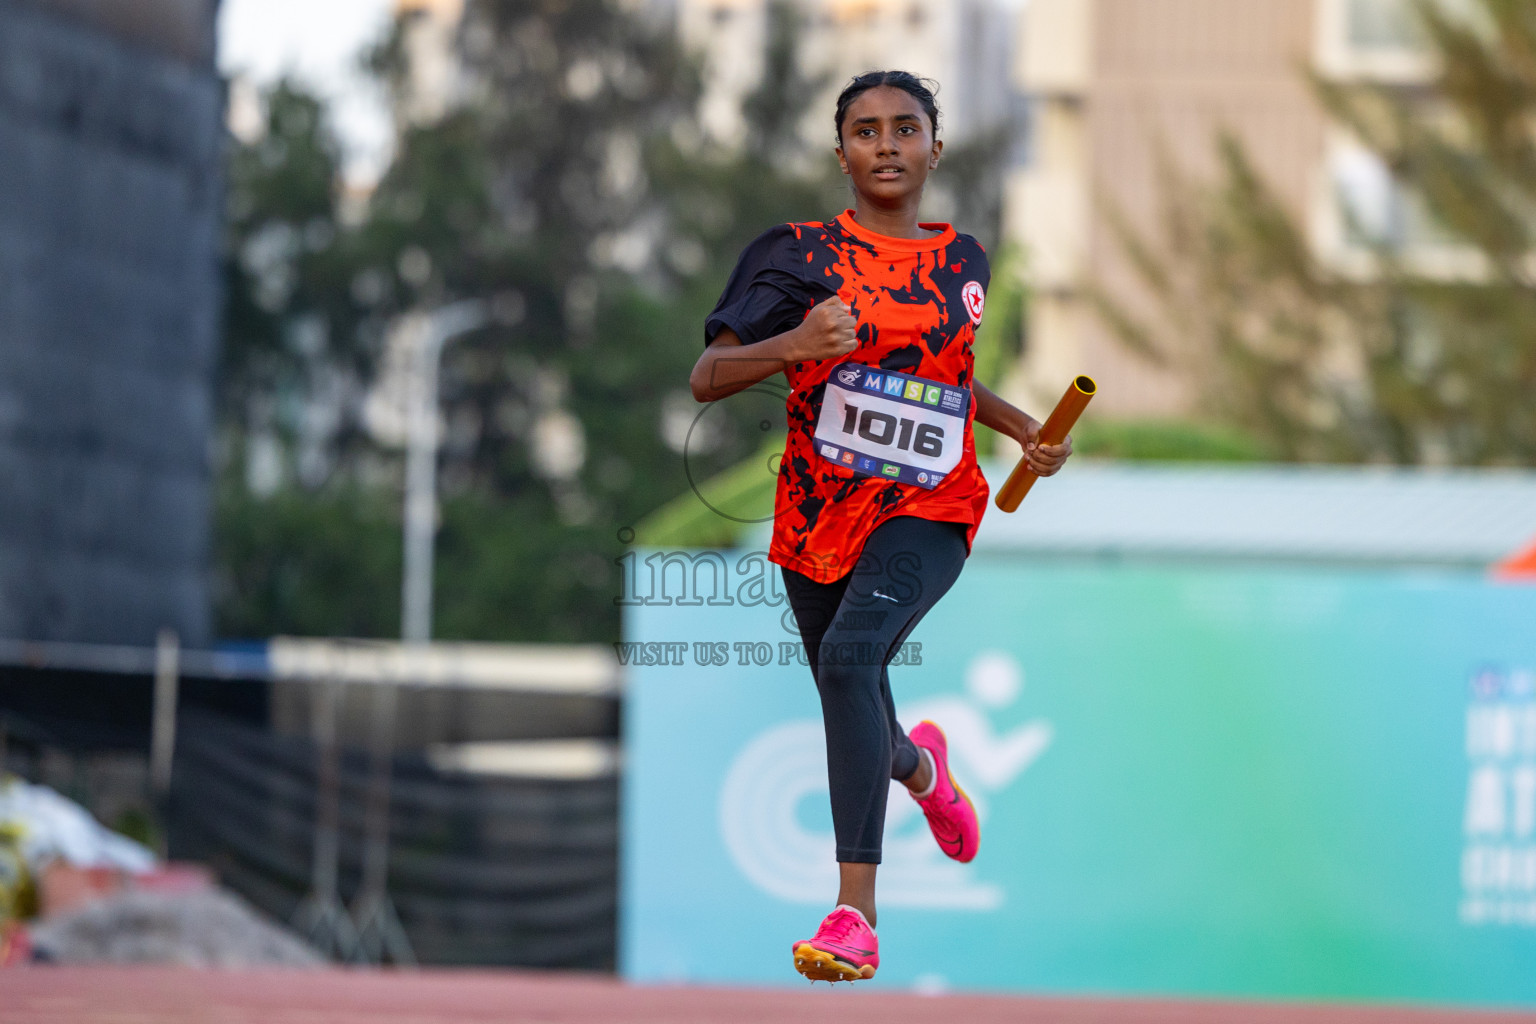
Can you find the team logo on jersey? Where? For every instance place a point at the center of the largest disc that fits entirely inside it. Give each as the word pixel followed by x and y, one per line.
pixel 849 375
pixel 975 300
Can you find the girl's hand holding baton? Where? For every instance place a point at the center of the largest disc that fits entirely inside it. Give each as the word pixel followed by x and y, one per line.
pixel 1046 446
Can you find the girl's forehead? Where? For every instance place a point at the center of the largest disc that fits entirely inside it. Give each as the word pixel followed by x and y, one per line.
pixel 885 101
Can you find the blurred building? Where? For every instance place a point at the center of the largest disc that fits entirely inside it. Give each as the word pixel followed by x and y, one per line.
pixel 965 45
pixel 1120 86
pixel 434 78
pixel 110 214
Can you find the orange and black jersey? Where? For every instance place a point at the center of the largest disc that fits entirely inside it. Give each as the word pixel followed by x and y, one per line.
pixel 917 303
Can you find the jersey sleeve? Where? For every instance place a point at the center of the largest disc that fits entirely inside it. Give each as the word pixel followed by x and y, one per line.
pixel 983 262
pixel 767 292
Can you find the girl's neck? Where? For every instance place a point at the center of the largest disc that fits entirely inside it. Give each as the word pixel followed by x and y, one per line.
pixel 893 222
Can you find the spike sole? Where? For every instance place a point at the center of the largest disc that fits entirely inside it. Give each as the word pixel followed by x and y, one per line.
pixel 819 965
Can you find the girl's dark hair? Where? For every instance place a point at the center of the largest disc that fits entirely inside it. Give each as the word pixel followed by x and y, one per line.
pixel 917 88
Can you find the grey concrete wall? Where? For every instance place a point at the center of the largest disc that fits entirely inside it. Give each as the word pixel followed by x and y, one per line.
pixel 110 212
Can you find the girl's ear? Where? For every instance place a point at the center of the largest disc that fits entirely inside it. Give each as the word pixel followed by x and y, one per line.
pixel 842 161
pixel 933 160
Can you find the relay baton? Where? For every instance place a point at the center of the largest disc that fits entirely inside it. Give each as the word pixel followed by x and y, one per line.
pixel 1054 431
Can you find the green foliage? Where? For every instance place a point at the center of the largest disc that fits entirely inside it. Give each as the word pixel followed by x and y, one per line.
pixel 774 109
pixel 328 564
pixel 293 334
pixel 1414 347
pixel 302 563
pixel 687 522
pixel 138 824
pixel 1165 441
pixel 573 193
pixel 510 570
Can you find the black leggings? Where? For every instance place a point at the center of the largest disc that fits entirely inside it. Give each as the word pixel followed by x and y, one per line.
pixel 851 629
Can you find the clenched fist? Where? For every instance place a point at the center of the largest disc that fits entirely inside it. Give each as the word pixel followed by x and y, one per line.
pixel 828 332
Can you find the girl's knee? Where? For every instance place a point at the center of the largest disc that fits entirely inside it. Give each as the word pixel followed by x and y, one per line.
pixel 848 667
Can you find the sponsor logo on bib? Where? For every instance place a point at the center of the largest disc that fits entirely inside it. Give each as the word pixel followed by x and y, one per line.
pixel 848 375
pixel 975 300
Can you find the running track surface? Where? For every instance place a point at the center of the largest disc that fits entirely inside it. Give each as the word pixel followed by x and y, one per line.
pixel 74 995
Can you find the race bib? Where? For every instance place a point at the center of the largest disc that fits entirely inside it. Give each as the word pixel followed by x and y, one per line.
pixel 893 425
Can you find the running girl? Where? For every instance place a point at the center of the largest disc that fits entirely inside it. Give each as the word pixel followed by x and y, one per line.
pixel 871 317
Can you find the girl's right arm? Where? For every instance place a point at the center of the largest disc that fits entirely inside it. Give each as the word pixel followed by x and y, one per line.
pixel 728 365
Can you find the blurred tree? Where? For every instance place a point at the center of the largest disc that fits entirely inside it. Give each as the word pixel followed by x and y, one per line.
pixel 1418 344
pixel 776 111
pixel 296 562
pixel 572 190
pixel 291 358
pixel 1158 440
pixel 968 187
pixel 298 547
pixel 603 232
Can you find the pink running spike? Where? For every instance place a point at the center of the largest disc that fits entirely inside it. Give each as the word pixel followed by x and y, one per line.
pixel 843 949
pixel 951 817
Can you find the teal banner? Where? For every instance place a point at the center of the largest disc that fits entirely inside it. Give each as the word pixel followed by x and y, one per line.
pixel 1206 782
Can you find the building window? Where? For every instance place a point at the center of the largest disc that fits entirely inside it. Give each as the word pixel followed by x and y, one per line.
pixel 1021 139
pixel 1378 210
pixel 1375 39
pixel 1375 25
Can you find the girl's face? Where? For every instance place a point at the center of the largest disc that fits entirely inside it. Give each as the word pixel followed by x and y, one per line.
pixel 888 145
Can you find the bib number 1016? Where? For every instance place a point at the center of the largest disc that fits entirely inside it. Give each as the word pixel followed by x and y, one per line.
pixel 882 428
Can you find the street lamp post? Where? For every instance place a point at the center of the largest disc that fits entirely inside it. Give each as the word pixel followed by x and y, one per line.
pixel 379 934
pixel 435 330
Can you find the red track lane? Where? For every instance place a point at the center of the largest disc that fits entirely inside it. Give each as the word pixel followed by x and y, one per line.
pixel 74 995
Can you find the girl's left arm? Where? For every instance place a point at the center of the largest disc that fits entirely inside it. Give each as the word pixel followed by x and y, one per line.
pixel 1006 418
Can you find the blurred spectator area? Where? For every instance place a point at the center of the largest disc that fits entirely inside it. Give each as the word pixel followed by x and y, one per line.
pixel 110 220
pixel 504 806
